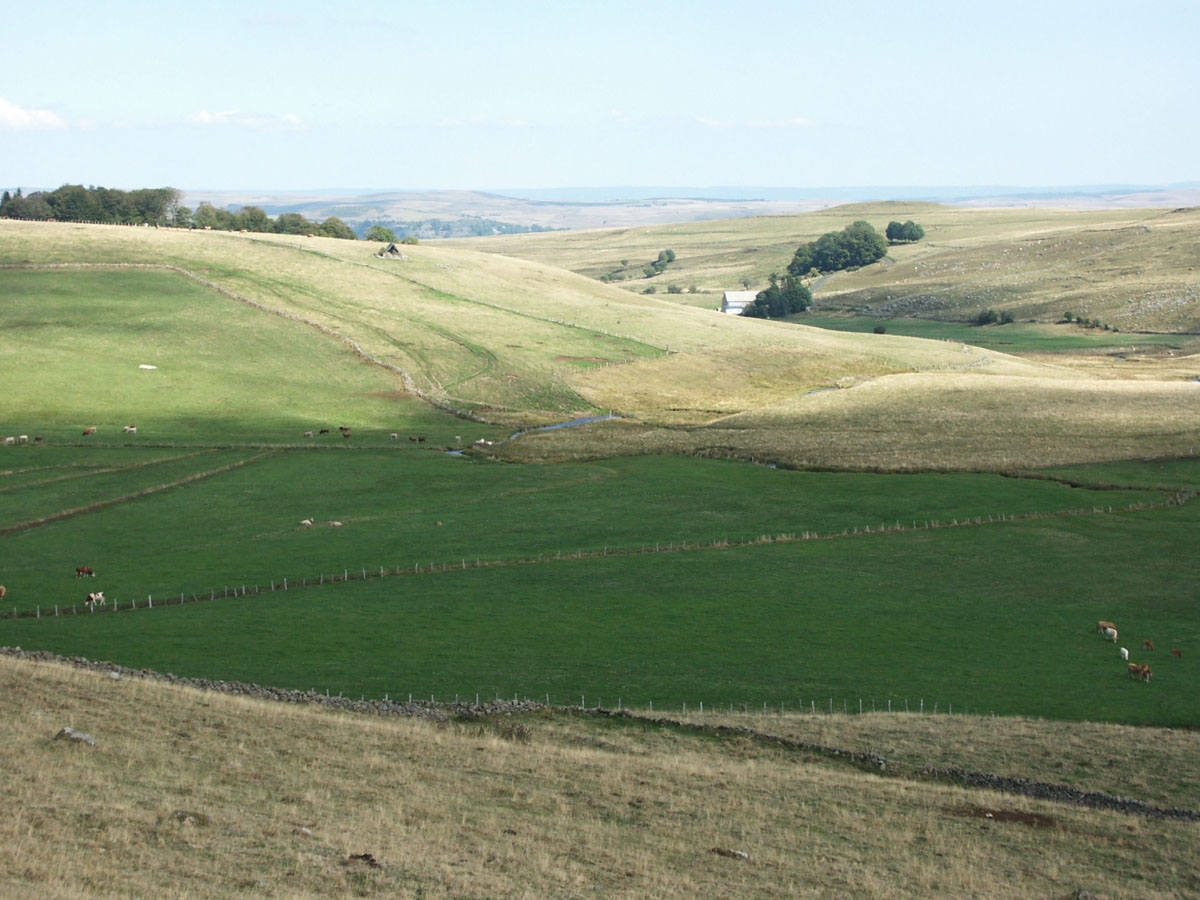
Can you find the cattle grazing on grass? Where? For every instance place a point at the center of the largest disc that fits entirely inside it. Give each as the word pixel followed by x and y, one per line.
pixel 10 441
pixel 344 428
pixel 1124 653
pixel 324 431
pixel 308 434
pixel 307 523
pixel 420 439
pixel 38 439
pixel 84 572
pixel 3 591
pixel 94 599
pixel 1111 634
pixel 346 434
pixel 395 437
pixel 412 438
pixel 1139 671
pixel 23 439
pixel 335 524
pixel 1177 653
pixel 91 429
pixel 1101 625
pixel 1147 645
pixel 130 429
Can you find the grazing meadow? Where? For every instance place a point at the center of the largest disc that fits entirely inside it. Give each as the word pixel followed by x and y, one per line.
pixel 890 544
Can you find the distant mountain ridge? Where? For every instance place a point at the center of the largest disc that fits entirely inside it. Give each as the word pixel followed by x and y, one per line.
pixel 457 213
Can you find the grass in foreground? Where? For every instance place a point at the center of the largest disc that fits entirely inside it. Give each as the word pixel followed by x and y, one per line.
pixel 189 794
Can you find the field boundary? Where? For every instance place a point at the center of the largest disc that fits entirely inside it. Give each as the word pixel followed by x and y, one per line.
pixel 361 573
pixel 870 762
pixel 125 498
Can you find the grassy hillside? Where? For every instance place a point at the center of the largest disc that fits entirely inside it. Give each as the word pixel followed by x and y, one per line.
pixel 1132 269
pixel 512 341
pixel 186 793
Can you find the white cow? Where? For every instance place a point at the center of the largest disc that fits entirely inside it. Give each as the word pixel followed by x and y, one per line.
pixel 1124 653
pixel 24 439
pixel 131 429
pixel 1111 634
pixel 95 599
pixel 307 523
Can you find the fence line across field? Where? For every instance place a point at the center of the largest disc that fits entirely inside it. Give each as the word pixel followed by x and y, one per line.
pixel 361 573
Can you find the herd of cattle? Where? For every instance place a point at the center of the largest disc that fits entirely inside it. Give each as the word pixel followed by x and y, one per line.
pixel 1136 670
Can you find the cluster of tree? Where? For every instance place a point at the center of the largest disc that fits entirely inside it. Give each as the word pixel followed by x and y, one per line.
pixel 782 298
pixel 665 258
pixel 75 203
pixel 467 226
pixel 386 235
pixel 855 245
pixel 251 218
pixel 991 317
pixel 1088 323
pixel 907 232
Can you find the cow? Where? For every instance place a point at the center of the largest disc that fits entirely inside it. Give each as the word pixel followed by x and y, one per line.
pixel 95 599
pixel 346 434
pixel 10 441
pixel 3 591
pixel 1101 625
pixel 1142 672
pixel 84 572
pixel 38 439
pixel 421 439
pixel 412 438
pixel 307 523
pixel 1111 634
pixel 308 434
pixel 1147 645
pixel 1175 651
pixel 335 524
pixel 395 437
pixel 438 524
pixel 343 428
pixel 23 439
pixel 324 431
pixel 91 429
pixel 1124 653
pixel 130 429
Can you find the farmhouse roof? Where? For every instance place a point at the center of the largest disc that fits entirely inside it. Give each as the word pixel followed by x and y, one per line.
pixel 733 302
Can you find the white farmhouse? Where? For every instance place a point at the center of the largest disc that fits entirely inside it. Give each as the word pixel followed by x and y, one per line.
pixel 733 303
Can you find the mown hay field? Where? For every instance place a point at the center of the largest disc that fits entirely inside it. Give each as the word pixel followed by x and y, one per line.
pixel 186 791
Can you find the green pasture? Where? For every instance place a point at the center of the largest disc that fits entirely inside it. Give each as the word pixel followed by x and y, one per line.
pixel 242 526
pixel 994 618
pixel 952 615
pixel 225 372
pixel 1018 337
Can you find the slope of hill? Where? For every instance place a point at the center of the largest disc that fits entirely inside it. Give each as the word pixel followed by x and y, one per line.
pixel 513 341
pixel 1132 269
pixel 187 792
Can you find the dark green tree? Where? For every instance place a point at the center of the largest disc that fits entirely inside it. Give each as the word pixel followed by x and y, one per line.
pixel 907 232
pixel 335 228
pixel 379 233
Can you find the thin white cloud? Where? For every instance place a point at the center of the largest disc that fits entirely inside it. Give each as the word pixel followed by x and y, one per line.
pixel 484 121
pixel 782 123
pixel 238 118
pixel 18 118
pixel 714 123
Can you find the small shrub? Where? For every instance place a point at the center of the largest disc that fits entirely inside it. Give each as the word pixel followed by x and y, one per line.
pixel 650 290
pixel 517 732
pixel 880 329
pixel 674 289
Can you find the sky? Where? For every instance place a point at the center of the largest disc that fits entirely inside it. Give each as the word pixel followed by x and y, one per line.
pixel 309 96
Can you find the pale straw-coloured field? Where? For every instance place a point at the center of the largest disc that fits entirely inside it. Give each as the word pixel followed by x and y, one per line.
pixel 189 794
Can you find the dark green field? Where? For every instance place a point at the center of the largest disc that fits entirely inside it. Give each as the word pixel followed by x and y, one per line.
pixel 209 494
pixel 1017 337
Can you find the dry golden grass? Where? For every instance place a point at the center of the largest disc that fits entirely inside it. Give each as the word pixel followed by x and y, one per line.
pixel 194 795
pixel 1129 268
pixel 948 420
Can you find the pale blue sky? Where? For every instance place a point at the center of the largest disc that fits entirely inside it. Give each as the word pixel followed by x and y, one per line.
pixel 303 95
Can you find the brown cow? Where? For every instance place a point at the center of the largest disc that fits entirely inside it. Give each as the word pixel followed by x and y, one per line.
pixel 91 429
pixel 1147 645
pixel 1177 653
pixel 3 591
pixel 1139 671
pixel 84 572
pixel 1101 625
